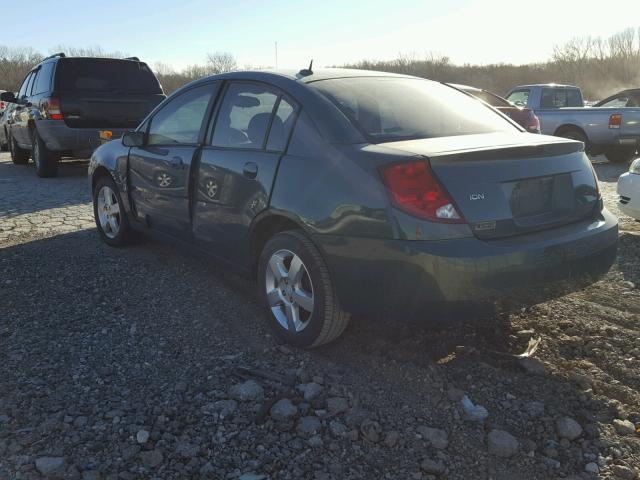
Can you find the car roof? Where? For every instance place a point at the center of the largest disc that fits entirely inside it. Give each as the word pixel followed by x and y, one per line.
pixel 315 75
pixel 544 85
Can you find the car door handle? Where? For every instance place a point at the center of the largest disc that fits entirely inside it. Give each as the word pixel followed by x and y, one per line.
pixel 250 170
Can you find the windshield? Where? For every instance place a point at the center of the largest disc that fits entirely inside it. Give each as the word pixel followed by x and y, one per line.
pixel 105 75
pixel 387 109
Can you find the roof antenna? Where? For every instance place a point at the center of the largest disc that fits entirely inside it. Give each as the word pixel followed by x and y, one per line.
pixel 307 71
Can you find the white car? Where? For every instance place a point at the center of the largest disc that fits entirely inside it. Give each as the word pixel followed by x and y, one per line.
pixel 629 190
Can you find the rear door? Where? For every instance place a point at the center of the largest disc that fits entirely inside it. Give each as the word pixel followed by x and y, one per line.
pixel 105 93
pixel 159 171
pixel 237 168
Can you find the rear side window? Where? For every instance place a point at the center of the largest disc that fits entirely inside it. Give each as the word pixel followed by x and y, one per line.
pixel 574 98
pixel 244 116
pixel 180 120
pixel 519 98
pixel 43 80
pixel 281 126
pixel 25 88
pixel 105 75
pixel 560 98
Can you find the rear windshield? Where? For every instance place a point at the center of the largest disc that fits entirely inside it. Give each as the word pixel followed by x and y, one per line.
pixel 105 75
pixel 388 109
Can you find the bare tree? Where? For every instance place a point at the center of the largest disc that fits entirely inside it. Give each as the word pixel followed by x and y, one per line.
pixel 220 62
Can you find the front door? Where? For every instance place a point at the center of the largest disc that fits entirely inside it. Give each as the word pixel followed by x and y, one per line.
pixel 20 119
pixel 238 167
pixel 159 170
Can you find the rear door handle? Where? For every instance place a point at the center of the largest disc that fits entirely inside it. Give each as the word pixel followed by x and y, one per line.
pixel 176 162
pixel 250 170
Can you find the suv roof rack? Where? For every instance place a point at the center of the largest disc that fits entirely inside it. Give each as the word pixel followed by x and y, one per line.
pixel 135 59
pixel 55 55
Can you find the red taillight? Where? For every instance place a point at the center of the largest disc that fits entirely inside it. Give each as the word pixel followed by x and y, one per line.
pixel 52 108
pixel 414 189
pixel 2 106
pixel 615 120
pixel 534 123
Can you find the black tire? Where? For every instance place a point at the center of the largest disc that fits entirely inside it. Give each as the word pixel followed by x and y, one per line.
pixel 574 134
pixel 620 154
pixel 327 321
pixel 19 156
pixel 123 235
pixel 46 161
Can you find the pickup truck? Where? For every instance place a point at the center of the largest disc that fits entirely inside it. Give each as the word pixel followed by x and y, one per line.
pixel 605 128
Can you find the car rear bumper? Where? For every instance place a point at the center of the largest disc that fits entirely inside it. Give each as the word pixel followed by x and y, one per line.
pixel 628 141
pixel 629 194
pixel 406 278
pixel 81 142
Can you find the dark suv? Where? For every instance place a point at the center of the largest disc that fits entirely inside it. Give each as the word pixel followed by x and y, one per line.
pixel 65 102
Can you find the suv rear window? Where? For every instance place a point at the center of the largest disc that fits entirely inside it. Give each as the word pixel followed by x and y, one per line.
pixel 387 109
pixel 105 75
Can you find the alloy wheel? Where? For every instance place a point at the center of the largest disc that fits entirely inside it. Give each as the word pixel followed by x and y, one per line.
pixel 289 290
pixel 108 211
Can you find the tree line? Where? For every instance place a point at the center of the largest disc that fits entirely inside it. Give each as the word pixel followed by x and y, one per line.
pixel 600 66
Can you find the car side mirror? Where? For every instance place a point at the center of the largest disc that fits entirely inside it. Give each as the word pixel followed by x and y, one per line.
pixel 133 139
pixel 8 97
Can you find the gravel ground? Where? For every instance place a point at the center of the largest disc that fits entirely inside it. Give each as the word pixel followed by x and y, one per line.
pixel 147 362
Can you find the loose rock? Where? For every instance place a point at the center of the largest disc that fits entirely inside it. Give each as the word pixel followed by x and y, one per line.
pixel 50 466
pixel 247 391
pixel 308 426
pixel 501 443
pixel 624 427
pixel 371 431
pixel 152 459
pixel 436 437
pixel 568 428
pixel 142 436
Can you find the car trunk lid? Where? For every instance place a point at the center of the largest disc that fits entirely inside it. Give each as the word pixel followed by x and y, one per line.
pixel 509 184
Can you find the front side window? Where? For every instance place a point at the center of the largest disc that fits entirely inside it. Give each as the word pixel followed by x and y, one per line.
pixel 244 116
pixel 180 120
pixel 519 98
pixel 387 109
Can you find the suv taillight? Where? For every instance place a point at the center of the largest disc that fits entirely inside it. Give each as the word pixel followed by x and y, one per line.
pixel 52 108
pixel 2 106
pixel 414 189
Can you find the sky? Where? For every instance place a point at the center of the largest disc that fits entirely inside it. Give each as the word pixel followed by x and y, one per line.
pixel 332 32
